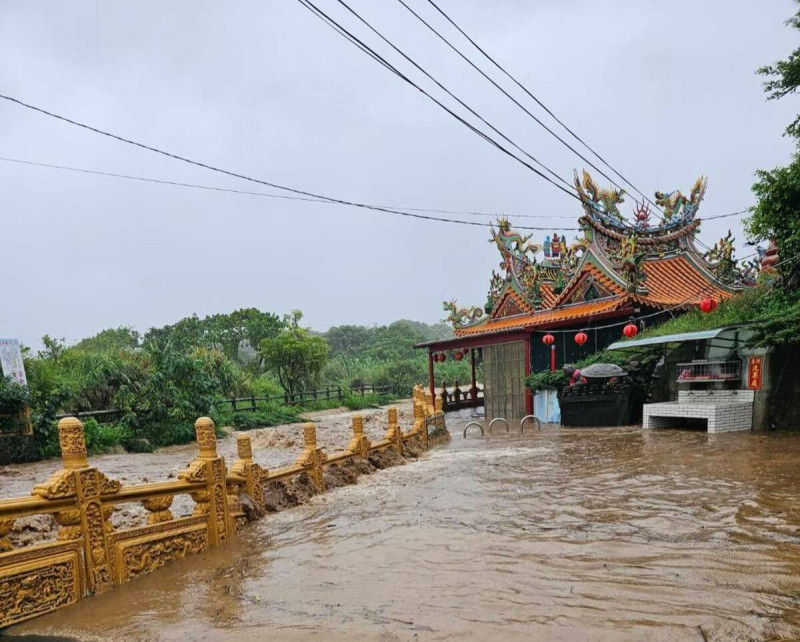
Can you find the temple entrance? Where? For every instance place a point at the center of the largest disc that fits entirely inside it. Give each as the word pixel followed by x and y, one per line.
pixel 504 380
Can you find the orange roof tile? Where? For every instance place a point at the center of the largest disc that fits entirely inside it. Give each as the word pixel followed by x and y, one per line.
pixel 545 317
pixel 676 281
pixel 548 296
pixel 600 277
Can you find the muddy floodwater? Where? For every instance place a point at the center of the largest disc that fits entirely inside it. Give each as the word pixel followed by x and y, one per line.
pixel 566 534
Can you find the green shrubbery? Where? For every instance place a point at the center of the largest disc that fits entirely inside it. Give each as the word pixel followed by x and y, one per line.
pixel 162 382
pixel 357 402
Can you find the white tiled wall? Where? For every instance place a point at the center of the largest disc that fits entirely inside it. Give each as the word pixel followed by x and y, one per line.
pixel 723 413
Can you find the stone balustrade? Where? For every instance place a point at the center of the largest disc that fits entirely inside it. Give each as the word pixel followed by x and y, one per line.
pixel 90 556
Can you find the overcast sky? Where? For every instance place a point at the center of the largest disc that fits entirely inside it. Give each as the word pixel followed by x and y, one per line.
pixel 664 90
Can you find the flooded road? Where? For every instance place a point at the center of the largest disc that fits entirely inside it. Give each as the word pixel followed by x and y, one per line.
pixel 615 534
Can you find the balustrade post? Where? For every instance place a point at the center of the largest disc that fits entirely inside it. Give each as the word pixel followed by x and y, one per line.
pixel 89 519
pixel 359 444
pixel 419 421
pixel 245 467
pixel 394 433
pixel 5 528
pixel 313 458
pixel 429 408
pixel 209 468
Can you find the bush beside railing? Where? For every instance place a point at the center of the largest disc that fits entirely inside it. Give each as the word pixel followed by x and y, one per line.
pixel 91 556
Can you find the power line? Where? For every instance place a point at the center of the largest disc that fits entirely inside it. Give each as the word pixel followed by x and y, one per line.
pixel 388 209
pixel 711 218
pixel 213 168
pixel 505 93
pixel 539 102
pixel 160 181
pixel 371 52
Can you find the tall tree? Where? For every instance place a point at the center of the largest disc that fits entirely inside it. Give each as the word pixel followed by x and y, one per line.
pixel 776 214
pixel 295 355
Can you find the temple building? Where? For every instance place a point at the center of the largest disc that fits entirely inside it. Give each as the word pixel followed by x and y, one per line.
pixel 642 269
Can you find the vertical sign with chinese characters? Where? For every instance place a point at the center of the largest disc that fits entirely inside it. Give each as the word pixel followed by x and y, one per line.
pixel 11 361
pixel 754 372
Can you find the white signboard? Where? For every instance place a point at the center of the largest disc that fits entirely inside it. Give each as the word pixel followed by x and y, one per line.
pixel 11 361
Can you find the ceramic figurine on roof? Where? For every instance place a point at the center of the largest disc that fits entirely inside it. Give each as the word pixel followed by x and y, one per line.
pixel 513 246
pixel 721 258
pixel 461 317
pixel 598 201
pixel 629 260
pixel 677 206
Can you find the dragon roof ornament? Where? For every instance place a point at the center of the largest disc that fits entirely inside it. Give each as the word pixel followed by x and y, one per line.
pixel 601 210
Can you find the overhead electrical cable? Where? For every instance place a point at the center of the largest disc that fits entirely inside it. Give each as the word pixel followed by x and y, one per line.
pixel 161 181
pixel 540 103
pixel 238 175
pixel 569 189
pixel 509 96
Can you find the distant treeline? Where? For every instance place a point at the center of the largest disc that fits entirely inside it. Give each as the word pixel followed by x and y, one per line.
pixel 163 380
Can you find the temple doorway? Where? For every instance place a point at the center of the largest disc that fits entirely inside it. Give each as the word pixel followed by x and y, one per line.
pixel 504 380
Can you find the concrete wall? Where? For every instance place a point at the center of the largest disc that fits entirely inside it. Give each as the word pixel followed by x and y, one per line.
pixel 777 404
pixel 17 449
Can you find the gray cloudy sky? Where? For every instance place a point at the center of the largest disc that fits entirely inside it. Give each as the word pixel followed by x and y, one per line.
pixel 665 90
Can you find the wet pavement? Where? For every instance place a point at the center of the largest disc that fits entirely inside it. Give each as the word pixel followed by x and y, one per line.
pixel 617 534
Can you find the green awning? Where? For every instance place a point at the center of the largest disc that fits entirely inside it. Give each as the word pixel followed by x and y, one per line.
pixel 670 338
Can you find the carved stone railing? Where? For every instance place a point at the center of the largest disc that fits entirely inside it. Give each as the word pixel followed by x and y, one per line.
pixel 91 556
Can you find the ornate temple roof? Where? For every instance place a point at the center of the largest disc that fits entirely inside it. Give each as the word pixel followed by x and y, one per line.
pixel 613 267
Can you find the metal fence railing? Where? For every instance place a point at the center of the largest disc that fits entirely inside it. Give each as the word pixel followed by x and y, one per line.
pixel 330 393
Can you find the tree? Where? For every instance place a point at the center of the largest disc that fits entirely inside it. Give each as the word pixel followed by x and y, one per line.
pixel 784 77
pixel 122 338
pixel 295 355
pixel 226 332
pixel 248 324
pixel 777 213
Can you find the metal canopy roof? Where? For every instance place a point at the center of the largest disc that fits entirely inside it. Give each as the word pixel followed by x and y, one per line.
pixel 671 338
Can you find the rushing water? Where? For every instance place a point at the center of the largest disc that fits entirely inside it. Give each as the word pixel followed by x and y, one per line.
pixel 567 534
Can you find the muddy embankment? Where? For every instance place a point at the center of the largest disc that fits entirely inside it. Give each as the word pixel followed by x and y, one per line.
pixel 273 447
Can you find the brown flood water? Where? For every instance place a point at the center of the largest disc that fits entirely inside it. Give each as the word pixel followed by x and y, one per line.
pixel 615 534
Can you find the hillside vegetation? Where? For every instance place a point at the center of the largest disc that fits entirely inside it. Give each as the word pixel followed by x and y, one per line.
pixel 163 380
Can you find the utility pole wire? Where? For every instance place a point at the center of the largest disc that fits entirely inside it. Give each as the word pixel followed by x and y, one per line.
pixel 361 45
pixel 159 181
pixel 541 104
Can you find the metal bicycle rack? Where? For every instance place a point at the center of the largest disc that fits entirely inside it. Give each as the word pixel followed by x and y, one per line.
pixel 495 420
pixel 526 418
pixel 473 423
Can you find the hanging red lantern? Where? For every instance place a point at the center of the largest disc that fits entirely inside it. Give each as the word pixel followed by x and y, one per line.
pixel 581 338
pixel 630 330
pixel 548 339
pixel 708 305
pixel 443 357
pixel 458 356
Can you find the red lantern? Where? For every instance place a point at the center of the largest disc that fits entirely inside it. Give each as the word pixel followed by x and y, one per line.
pixel 548 339
pixel 581 338
pixel 443 357
pixel 630 330
pixel 708 305
pixel 458 356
